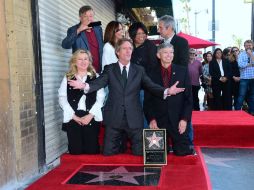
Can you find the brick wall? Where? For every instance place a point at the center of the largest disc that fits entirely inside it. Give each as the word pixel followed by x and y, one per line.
pixel 19 92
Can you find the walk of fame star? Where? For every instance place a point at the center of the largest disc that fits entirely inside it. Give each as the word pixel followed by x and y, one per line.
pixel 120 174
pixel 217 161
pixel 154 140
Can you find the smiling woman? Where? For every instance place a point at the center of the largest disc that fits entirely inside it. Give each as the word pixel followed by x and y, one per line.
pixel 81 113
pixel 144 52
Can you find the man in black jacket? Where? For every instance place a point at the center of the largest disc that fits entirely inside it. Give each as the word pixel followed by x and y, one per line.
pixel 174 112
pixel 166 28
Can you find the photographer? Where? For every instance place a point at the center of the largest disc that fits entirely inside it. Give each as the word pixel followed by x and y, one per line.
pixel 86 35
pixel 246 66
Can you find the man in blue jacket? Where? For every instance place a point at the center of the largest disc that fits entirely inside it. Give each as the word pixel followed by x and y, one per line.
pixel 81 36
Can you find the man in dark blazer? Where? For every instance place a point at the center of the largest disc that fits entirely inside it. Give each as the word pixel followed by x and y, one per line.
pixel 123 111
pixel 81 36
pixel 166 28
pixel 174 112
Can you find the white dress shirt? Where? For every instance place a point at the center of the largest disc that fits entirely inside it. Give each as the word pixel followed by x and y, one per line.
pixel 221 67
pixel 68 112
pixel 168 40
pixel 127 67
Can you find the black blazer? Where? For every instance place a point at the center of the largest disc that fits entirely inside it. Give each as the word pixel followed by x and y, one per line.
pixel 215 73
pixel 145 55
pixel 124 100
pixel 181 50
pixel 173 107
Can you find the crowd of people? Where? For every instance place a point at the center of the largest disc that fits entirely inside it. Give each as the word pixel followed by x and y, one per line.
pixel 228 78
pixel 122 84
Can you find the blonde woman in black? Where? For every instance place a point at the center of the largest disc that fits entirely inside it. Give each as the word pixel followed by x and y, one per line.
pixel 81 112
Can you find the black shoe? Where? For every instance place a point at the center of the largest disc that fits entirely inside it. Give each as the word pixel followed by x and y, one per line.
pixel 190 151
pixel 193 153
pixel 169 149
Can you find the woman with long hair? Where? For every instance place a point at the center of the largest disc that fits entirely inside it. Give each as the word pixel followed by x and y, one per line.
pixel 220 72
pixel 81 112
pixel 113 32
pixel 207 80
pixel 235 73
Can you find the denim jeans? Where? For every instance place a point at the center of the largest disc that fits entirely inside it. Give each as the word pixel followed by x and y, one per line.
pixel 190 129
pixel 246 88
pixel 146 124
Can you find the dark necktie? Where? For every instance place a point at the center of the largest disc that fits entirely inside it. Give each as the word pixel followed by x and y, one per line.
pixel 124 76
pixel 166 78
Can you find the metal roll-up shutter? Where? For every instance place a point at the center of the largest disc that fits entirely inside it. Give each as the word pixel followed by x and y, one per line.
pixel 55 18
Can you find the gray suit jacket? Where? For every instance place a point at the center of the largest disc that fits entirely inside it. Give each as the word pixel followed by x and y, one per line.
pixel 126 99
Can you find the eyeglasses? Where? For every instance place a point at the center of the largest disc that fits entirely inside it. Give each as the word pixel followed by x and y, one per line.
pixel 235 50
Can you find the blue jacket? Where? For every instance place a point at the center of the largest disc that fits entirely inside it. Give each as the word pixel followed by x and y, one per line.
pixel 79 41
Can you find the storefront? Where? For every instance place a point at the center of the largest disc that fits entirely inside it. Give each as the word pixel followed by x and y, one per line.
pixel 55 17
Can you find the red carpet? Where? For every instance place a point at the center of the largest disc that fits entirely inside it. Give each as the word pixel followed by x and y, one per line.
pixel 223 129
pixel 181 173
pixel 211 128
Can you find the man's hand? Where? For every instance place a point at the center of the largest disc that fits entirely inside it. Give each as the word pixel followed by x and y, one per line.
pixel 173 90
pixel 76 84
pixel 249 52
pixel 87 119
pixel 83 27
pixel 153 124
pixel 182 126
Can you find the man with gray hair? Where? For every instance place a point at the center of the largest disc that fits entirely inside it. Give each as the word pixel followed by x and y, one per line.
pixel 166 28
pixel 174 112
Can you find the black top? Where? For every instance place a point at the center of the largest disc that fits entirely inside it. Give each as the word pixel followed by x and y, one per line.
pixel 145 55
pixel 74 96
pixel 235 69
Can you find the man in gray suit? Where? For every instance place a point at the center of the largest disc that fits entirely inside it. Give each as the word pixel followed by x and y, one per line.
pixel 123 111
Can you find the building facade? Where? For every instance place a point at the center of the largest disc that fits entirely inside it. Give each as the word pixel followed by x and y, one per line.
pixel 32 66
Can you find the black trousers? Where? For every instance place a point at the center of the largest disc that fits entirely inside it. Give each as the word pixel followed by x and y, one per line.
pixel 83 139
pixel 181 143
pixel 113 139
pixel 195 98
pixel 222 96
